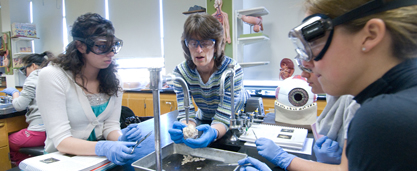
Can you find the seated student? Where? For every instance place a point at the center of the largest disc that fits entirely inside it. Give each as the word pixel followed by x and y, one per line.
pixel 333 122
pixel 203 44
pixel 365 49
pixel 80 95
pixel 34 135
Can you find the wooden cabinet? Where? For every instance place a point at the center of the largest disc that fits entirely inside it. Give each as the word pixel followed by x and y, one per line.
pixel 4 146
pixel 269 105
pixel 7 126
pixel 142 103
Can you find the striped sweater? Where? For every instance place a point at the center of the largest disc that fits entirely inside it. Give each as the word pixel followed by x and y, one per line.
pixel 206 95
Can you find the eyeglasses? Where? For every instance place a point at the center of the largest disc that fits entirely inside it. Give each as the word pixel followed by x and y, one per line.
pixel 101 46
pixel 23 69
pixel 204 44
pixel 317 26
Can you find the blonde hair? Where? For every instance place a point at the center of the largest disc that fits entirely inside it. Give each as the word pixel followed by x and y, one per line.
pixel 401 23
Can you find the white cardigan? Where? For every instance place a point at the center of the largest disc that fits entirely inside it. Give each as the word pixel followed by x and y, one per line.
pixel 66 111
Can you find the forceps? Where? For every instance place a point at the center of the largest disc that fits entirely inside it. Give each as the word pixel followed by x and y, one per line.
pixel 254 134
pixel 139 141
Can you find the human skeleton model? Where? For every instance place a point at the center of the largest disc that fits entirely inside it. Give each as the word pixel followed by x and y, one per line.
pixel 223 19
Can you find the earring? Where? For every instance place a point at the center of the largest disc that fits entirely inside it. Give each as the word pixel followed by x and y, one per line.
pixel 364 49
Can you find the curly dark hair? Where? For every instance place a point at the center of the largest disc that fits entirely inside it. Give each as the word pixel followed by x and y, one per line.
pixel 203 26
pixel 87 26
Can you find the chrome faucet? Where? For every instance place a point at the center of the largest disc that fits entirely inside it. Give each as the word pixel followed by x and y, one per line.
pixel 184 90
pixel 233 119
pixel 155 85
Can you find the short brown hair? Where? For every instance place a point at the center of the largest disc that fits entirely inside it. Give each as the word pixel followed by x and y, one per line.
pixel 203 26
pixel 401 23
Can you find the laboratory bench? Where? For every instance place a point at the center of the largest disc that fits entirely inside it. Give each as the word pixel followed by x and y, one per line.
pixel 141 103
pixel 166 122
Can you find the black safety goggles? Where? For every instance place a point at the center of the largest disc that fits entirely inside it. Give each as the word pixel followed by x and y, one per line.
pixel 306 36
pixel 102 45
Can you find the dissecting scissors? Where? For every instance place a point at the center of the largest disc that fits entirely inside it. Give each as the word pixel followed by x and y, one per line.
pixel 139 141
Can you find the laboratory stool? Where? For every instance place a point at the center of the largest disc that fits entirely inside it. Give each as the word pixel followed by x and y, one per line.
pixel 32 151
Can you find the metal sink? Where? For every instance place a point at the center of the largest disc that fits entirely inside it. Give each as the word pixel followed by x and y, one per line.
pixel 6 108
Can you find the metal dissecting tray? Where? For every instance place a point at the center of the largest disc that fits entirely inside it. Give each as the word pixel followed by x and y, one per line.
pixel 172 156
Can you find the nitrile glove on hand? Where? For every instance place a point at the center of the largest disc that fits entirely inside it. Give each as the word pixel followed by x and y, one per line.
pixel 327 151
pixel 130 133
pixel 208 136
pixel 176 132
pixel 9 91
pixel 257 165
pixel 117 152
pixel 273 153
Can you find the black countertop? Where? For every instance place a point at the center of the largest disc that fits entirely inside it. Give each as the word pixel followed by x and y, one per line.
pixel 4 116
pixel 166 122
pixel 171 91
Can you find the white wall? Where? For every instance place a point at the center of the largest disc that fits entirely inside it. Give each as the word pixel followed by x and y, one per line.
pixel 173 28
pixel 47 15
pixel 284 15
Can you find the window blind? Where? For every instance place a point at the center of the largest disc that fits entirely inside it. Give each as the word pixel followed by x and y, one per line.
pixel 137 24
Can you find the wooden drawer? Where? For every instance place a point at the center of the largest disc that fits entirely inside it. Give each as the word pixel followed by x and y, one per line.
pixel 4 158
pixel 16 123
pixel 4 140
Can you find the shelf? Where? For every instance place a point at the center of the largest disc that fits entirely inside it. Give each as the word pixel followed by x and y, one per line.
pixel 252 39
pixel 25 38
pixel 258 11
pixel 18 55
pixel 251 64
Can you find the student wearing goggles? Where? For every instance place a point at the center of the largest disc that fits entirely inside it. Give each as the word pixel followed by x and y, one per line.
pixel 102 45
pixel 365 48
pixel 203 44
pixel 80 96
pixel 34 135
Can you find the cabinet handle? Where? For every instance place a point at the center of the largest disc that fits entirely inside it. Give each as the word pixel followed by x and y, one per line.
pixel 2 124
pixel 170 105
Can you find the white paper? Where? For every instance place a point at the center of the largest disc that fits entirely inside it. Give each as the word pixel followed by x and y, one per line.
pixel 308 146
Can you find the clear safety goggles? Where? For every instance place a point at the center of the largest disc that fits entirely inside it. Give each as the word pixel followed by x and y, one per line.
pixel 313 36
pixel 101 45
pixel 204 44
pixel 301 66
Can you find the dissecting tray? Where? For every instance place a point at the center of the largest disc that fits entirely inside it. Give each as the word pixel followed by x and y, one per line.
pixel 172 156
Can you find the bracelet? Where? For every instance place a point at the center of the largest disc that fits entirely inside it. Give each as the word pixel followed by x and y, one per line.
pixel 217 135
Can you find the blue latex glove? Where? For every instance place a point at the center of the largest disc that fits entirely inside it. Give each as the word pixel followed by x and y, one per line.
pixel 9 91
pixel 130 133
pixel 208 136
pixel 117 152
pixel 176 132
pixel 257 165
pixel 273 153
pixel 327 151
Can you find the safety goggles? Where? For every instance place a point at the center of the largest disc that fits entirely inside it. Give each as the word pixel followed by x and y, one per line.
pixel 204 44
pixel 22 69
pixel 301 66
pixel 101 45
pixel 310 39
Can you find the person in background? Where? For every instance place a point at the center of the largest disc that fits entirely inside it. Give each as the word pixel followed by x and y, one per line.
pixel 34 135
pixel 203 44
pixel 366 49
pixel 333 122
pixel 79 95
